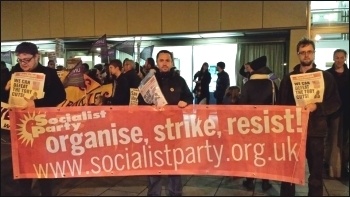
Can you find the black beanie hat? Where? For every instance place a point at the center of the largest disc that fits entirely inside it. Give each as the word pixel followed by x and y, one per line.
pixel 258 63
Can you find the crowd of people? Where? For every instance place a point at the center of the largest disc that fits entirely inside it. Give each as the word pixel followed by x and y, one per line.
pixel 326 118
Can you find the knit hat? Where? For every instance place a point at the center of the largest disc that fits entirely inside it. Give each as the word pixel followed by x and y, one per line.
pixel 258 63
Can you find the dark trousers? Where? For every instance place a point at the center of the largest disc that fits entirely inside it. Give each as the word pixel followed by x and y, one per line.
pixel 252 179
pixel 199 99
pixel 155 185
pixel 314 156
pixel 45 186
pixel 344 140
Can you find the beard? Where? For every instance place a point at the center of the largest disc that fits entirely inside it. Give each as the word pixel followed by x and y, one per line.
pixel 306 63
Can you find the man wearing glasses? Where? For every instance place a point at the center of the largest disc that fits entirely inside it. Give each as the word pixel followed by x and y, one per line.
pixel 28 61
pixel 317 125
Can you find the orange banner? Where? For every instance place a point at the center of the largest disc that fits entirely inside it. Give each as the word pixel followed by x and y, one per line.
pixel 93 141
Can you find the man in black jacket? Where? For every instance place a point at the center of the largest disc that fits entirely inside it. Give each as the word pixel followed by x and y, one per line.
pixel 176 92
pixel 28 61
pixel 121 88
pixel 222 83
pixel 131 74
pixel 338 126
pixel 317 125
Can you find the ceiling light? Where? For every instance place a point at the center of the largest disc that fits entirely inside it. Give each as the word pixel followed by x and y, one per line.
pixel 9 43
pixel 120 39
pixel 220 35
pixel 317 37
pixel 180 36
pixel 32 41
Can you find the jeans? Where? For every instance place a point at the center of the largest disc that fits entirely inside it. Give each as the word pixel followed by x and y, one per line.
pixel 314 156
pixel 155 185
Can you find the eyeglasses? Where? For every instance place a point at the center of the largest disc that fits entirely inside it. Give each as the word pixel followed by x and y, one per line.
pixel 24 61
pixel 306 52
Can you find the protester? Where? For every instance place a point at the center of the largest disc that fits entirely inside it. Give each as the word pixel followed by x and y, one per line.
pixel 338 126
pixel 86 67
pixel 139 70
pixel 5 76
pixel 245 71
pixel 131 74
pixel 28 58
pixel 201 89
pixel 121 88
pixel 232 95
pixel 95 75
pixel 258 90
pixel 176 92
pixel 51 64
pixel 317 125
pixel 107 76
pixel 149 64
pixel 222 83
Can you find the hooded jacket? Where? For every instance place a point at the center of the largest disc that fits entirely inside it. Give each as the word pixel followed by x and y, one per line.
pixel 317 125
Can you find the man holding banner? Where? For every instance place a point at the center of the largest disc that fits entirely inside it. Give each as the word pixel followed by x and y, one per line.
pixel 28 61
pixel 176 92
pixel 298 88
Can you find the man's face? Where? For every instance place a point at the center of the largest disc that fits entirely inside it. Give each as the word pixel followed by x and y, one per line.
pixel 164 62
pixel 147 65
pixel 306 55
pixel 248 68
pixel 27 62
pixel 339 59
pixel 113 70
pixel 127 66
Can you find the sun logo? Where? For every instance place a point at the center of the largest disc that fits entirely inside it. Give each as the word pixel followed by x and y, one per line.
pixel 25 129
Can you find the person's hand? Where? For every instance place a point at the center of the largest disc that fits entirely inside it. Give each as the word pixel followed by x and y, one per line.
pixel 140 74
pixel 182 104
pixel 158 108
pixel 310 107
pixel 8 85
pixel 29 105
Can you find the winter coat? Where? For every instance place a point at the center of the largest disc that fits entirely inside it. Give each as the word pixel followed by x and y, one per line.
pixel 5 77
pixel 53 87
pixel 174 88
pixel 343 84
pixel 317 125
pixel 121 91
pixel 201 89
pixel 222 83
pixel 133 78
pixel 259 89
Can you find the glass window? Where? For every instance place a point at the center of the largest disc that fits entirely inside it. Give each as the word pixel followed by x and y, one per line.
pixel 325 12
pixel 213 54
